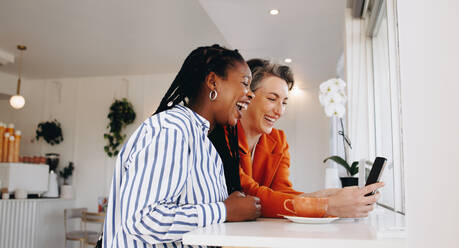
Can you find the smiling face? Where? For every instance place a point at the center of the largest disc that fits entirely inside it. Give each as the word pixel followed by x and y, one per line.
pixel 234 94
pixel 267 106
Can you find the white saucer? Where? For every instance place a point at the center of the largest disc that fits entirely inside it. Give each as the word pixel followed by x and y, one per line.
pixel 306 220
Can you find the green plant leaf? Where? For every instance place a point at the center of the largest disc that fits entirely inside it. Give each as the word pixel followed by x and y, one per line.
pixel 121 113
pixel 354 168
pixel 50 131
pixel 340 161
pixel 67 172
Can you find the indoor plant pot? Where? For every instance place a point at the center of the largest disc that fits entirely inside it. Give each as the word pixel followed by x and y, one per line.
pixel 66 191
pixel 66 188
pixel 351 170
pixel 349 181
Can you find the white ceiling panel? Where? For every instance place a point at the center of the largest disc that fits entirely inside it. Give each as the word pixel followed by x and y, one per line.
pixel 308 31
pixel 103 37
pixel 118 37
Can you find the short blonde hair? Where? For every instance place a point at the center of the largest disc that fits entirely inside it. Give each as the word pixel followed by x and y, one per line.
pixel 262 68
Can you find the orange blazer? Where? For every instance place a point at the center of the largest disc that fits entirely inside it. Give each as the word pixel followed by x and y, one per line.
pixel 267 176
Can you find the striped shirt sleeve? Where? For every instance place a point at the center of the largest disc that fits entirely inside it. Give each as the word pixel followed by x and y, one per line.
pixel 150 192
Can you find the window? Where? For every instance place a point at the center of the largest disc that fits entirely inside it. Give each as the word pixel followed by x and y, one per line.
pixel 386 101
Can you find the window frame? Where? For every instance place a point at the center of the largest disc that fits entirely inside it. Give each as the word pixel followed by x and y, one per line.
pixel 375 16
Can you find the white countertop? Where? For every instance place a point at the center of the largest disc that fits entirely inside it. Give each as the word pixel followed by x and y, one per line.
pixel 383 228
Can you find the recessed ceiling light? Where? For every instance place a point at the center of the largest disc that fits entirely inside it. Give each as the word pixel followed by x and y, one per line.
pixel 288 60
pixel 274 12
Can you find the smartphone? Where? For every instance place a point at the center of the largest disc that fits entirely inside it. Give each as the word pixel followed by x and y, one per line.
pixel 376 172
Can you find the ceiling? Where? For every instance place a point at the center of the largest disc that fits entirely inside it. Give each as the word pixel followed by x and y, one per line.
pixel 118 37
pixel 103 37
pixel 311 32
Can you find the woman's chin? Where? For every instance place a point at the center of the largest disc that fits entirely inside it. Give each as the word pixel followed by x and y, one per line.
pixel 267 130
pixel 236 116
pixel 232 121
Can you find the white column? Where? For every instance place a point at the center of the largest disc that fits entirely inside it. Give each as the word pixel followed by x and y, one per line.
pixel 429 56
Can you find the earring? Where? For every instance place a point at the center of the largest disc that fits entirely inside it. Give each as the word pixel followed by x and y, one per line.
pixel 213 95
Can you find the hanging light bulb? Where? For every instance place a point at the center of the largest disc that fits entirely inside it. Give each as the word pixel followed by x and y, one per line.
pixel 17 101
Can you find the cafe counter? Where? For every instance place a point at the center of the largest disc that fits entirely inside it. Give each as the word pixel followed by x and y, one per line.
pixel 29 223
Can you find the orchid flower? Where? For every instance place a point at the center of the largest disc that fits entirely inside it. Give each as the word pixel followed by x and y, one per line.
pixel 332 96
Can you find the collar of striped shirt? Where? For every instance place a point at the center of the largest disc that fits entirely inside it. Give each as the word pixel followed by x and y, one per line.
pixel 197 119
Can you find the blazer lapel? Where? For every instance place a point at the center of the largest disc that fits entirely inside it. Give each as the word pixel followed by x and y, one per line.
pixel 244 155
pixel 266 160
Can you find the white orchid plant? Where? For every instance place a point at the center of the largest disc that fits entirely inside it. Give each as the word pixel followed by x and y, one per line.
pixel 333 97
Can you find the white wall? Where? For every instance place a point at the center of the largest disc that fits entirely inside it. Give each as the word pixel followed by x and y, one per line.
pixel 429 55
pixel 8 83
pixel 94 171
pixel 81 106
pixel 307 130
pixel 28 117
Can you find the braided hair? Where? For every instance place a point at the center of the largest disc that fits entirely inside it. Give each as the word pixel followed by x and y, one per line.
pixel 185 88
pixel 195 68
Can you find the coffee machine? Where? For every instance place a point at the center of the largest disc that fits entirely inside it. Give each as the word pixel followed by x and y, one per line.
pixel 52 159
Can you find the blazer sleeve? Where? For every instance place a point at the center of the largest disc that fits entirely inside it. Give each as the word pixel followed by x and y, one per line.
pixel 272 202
pixel 272 198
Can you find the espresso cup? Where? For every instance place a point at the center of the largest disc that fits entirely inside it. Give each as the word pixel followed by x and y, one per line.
pixel 307 206
pixel 20 194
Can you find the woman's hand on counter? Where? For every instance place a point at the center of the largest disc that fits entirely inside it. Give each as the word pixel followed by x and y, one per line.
pixel 240 207
pixel 351 202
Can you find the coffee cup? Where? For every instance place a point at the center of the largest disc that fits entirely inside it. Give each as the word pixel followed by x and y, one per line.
pixel 307 206
pixel 20 194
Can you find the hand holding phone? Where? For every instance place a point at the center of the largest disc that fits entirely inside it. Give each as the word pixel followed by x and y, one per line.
pixel 376 172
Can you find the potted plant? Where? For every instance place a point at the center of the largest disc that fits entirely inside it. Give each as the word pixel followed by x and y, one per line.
pixel 332 96
pixel 50 131
pixel 120 115
pixel 66 173
pixel 351 170
pixel 66 188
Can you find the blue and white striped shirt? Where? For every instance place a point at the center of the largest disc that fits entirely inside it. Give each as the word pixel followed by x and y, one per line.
pixel 168 180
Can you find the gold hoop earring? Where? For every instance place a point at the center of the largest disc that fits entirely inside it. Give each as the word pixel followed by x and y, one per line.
pixel 213 95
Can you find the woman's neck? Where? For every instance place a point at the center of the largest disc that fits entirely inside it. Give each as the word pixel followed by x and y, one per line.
pixel 252 136
pixel 203 110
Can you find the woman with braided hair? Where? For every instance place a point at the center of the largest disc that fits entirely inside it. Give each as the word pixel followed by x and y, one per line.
pixel 169 178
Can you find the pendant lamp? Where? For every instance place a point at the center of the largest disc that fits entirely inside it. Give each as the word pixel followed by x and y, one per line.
pixel 17 101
